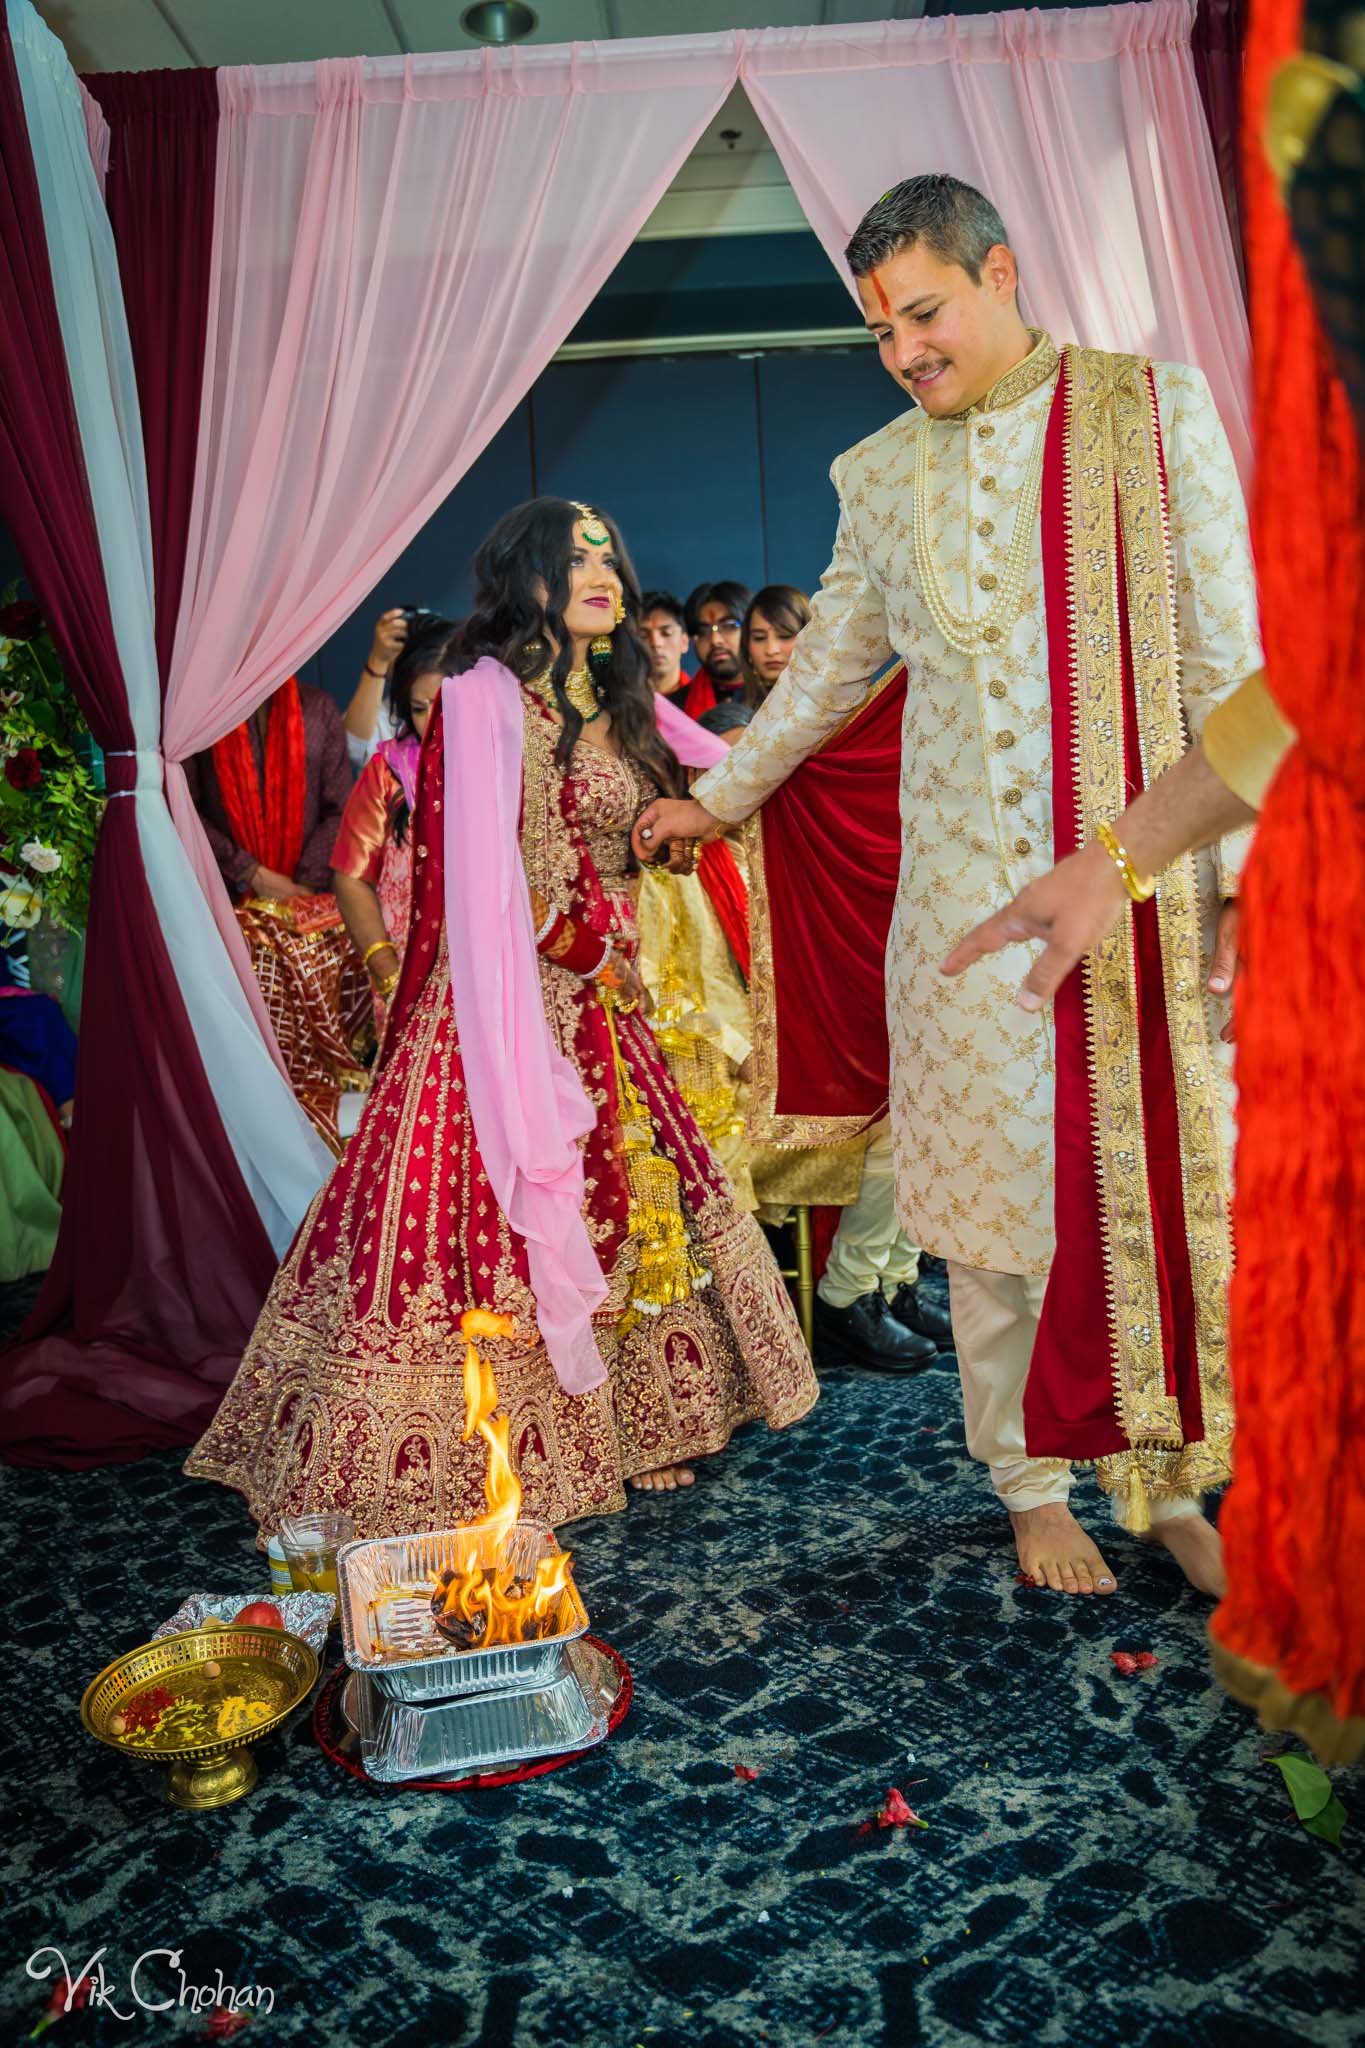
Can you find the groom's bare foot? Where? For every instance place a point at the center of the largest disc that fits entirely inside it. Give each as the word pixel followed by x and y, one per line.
pixel 1197 1548
pixel 667 1479
pixel 1055 1551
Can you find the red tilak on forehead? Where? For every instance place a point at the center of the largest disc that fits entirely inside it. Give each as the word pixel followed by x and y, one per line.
pixel 882 299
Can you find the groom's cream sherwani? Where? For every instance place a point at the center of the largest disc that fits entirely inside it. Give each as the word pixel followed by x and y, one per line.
pixel 971 1077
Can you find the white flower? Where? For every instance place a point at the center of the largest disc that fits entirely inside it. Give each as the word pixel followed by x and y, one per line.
pixel 45 860
pixel 21 906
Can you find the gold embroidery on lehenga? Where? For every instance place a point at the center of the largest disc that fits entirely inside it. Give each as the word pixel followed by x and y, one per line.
pixel 351 1389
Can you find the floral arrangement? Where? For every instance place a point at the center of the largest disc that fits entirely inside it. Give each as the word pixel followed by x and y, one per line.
pixel 51 783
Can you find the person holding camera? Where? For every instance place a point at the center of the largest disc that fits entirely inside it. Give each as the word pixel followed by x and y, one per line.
pixel 271 795
pixel 369 719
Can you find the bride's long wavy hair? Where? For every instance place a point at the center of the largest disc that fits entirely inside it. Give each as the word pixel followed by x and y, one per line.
pixel 527 551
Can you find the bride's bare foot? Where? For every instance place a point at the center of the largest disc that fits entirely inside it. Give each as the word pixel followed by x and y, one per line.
pixel 668 1479
pixel 1197 1548
pixel 1055 1551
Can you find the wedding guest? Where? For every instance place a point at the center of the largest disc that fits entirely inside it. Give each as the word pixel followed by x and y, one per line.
pixel 372 858
pixel 772 625
pixel 271 795
pixel 715 619
pixel 367 719
pixel 663 629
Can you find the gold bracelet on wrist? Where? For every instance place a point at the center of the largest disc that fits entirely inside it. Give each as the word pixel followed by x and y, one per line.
pixel 1141 888
pixel 387 986
pixel 379 946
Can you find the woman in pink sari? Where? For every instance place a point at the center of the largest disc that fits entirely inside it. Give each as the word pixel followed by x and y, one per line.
pixel 372 858
pixel 524 1148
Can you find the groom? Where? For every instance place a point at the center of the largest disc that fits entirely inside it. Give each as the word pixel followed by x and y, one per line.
pixel 1055 543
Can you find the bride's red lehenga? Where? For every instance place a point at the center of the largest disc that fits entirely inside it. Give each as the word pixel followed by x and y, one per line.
pixel 350 1394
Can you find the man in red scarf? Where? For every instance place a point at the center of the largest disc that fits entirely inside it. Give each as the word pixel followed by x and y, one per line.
pixel 715 619
pixel 271 794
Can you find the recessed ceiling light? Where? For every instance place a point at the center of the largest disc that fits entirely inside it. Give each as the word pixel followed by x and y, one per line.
pixel 498 21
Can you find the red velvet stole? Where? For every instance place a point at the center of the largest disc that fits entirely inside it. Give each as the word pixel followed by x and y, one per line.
pixel 720 876
pixel 1069 1400
pixel 267 822
pixel 830 841
pixel 701 694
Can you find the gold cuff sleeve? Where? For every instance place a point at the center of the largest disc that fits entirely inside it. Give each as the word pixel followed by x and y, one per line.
pixel 1245 738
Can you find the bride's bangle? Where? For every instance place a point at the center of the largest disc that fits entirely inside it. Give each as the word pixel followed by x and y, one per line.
pixel 380 946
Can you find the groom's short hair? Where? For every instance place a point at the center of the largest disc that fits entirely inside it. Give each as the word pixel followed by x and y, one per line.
pixel 954 220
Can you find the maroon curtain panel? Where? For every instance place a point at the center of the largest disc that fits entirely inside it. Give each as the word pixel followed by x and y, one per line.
pixel 1216 45
pixel 163 143
pixel 161 1261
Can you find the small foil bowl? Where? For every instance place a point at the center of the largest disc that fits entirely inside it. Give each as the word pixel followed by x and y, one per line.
pixel 271 1671
pixel 388 1629
pixel 304 1614
pixel 401 1741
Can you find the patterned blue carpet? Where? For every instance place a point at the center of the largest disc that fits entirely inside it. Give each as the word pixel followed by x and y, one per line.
pixel 1107 1860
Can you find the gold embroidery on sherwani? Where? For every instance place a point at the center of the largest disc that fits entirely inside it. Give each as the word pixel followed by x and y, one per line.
pixel 971 1074
pixel 1112 449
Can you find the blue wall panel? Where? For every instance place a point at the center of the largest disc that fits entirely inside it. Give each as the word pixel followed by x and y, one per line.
pixel 812 407
pixel 670 448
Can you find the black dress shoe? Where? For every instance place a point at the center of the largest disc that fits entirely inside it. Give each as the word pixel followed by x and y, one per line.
pixel 921 1313
pixel 867 1333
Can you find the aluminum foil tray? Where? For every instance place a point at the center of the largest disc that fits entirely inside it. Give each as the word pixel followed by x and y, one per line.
pixel 401 1741
pixel 385 1585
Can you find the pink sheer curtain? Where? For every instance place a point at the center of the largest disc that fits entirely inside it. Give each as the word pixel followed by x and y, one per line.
pixel 400 247
pixel 1086 128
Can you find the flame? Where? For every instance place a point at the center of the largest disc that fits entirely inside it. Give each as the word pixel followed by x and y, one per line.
pixel 478 1592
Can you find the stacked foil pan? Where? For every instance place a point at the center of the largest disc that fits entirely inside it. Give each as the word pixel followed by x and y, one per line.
pixel 423 1709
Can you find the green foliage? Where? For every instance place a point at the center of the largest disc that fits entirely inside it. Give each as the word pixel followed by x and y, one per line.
pixel 51 787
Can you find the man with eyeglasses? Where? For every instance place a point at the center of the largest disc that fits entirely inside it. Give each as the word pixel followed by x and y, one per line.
pixel 715 619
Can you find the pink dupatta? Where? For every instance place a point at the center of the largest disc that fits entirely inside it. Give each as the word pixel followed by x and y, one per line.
pixel 526 1101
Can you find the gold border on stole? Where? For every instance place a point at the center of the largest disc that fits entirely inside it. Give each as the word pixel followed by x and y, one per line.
pixel 1112 456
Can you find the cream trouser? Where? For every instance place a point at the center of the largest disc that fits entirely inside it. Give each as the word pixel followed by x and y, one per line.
pixel 995 1320
pixel 870 1249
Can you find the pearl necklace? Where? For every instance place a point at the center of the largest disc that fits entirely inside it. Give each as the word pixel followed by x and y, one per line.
pixel 969 634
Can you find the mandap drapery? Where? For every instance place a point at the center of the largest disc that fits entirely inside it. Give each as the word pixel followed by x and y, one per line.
pixel 397 248
pixel 1085 126
pixel 140 1316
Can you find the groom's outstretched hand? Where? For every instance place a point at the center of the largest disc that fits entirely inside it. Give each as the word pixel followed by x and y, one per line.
pixel 666 821
pixel 1070 910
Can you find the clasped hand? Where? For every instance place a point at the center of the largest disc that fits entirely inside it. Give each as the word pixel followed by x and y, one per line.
pixel 666 826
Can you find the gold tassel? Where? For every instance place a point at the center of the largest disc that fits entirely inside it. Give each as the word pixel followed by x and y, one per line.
pixel 669 1270
pixel 1138 1519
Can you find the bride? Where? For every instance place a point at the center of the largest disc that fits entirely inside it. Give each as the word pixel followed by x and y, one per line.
pixel 524 1148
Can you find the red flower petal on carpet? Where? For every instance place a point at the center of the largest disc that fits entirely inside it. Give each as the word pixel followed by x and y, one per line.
pixel 745 1771
pixel 223 2023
